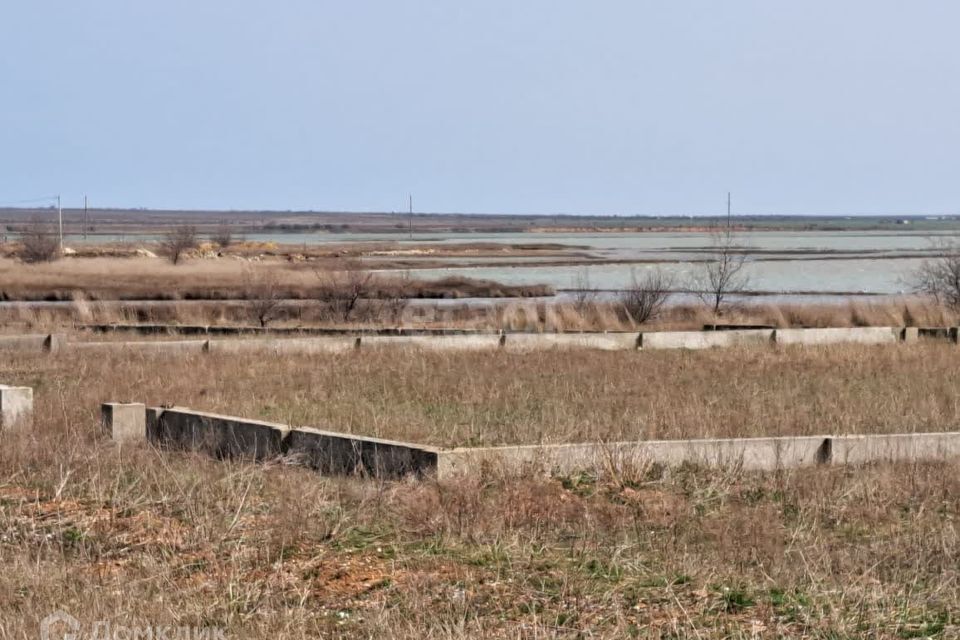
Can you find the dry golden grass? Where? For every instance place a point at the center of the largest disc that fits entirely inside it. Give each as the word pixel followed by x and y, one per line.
pixel 909 311
pixel 489 398
pixel 213 291
pixel 140 537
pixel 227 278
pixel 529 315
pixel 135 278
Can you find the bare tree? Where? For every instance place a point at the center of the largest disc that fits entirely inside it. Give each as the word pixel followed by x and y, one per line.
pixel 583 293
pixel 178 241
pixel 264 295
pixel 939 277
pixel 40 244
pixel 645 298
pixel 222 237
pixel 723 273
pixel 343 290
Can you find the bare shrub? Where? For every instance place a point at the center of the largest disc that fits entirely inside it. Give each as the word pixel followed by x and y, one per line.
pixel 222 237
pixel 40 244
pixel 939 277
pixel 343 290
pixel 178 241
pixel 723 274
pixel 584 293
pixel 264 295
pixel 645 298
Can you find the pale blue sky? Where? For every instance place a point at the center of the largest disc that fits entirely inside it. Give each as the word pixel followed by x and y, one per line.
pixel 519 106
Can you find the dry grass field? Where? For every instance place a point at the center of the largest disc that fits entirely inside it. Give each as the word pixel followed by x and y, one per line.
pixel 487 398
pixel 137 537
pixel 230 278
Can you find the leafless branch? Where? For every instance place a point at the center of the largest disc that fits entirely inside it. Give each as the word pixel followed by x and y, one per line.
pixel 343 290
pixel 264 296
pixel 584 294
pixel 222 237
pixel 724 273
pixel 645 298
pixel 178 241
pixel 939 277
pixel 40 244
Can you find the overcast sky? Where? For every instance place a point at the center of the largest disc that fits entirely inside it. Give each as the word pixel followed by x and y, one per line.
pixel 518 106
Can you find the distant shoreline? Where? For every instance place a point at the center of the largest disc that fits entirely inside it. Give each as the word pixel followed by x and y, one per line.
pixel 107 221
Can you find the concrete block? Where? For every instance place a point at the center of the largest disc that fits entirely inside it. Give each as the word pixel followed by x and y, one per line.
pixel 488 342
pixel 124 421
pixel 154 433
pixel 853 335
pixel 910 335
pixel 333 344
pixel 147 347
pixel 16 408
pixel 704 339
pixel 339 454
pixel 859 449
pixel 524 342
pixel 23 343
pixel 759 454
pixel 216 435
pixel 55 343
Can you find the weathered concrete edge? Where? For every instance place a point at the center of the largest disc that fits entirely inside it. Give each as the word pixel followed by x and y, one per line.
pixel 334 453
pixel 758 454
pixel 218 435
pixel 856 449
pixel 747 453
pixel 326 451
pixel 337 453
pixel 510 341
pixel 609 341
pixel 370 439
pixel 439 342
pixel 705 339
pixel 219 416
pixel 839 335
pixel 327 344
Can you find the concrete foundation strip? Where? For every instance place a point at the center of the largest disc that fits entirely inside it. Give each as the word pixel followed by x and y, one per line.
pixel 331 453
pixel 32 343
pixel 512 342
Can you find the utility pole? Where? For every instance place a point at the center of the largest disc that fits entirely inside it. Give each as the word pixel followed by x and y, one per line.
pixel 728 210
pixel 85 220
pixel 60 219
pixel 410 225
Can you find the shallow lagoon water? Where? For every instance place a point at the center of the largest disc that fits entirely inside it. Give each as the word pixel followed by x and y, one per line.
pixel 878 262
pixel 860 276
pixel 821 262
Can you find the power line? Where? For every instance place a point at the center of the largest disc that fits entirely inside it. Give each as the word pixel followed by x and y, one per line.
pixel 13 203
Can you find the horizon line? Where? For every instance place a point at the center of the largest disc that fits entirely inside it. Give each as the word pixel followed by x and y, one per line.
pixel 405 214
